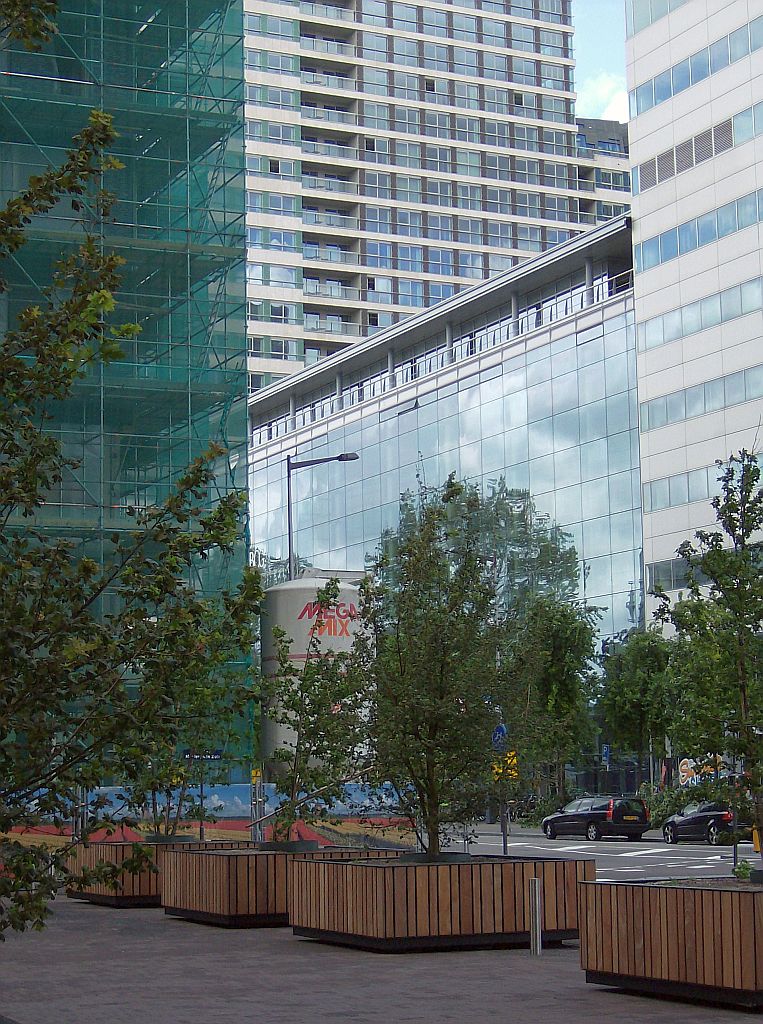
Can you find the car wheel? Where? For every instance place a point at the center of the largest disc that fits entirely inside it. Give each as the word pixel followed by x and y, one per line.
pixel 669 835
pixel 592 832
pixel 713 834
pixel 549 831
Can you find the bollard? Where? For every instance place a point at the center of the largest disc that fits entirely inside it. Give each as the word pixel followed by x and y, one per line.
pixel 536 916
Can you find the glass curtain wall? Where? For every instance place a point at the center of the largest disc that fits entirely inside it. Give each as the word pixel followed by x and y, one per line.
pixel 558 424
pixel 172 77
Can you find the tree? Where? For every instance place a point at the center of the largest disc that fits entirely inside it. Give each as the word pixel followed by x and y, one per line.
pixel 634 698
pixel 546 661
pixel 320 709
pixel 717 657
pixel 92 654
pixel 429 621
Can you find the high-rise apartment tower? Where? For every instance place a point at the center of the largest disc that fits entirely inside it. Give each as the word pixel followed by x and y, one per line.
pixel 399 152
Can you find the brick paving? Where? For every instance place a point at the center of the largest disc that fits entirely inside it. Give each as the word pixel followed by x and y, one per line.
pixel 95 964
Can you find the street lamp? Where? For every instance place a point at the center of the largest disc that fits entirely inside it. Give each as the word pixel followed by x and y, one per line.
pixel 291 465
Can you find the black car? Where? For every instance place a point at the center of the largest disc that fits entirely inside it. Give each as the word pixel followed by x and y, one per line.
pixel 709 821
pixel 597 816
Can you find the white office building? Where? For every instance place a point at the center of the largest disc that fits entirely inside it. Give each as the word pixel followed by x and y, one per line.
pixel 695 76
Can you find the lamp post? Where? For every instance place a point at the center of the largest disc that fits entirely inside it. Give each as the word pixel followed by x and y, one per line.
pixel 291 465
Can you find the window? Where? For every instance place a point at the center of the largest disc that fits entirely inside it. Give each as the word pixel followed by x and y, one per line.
pixel 440 261
pixel 469 230
pixel 440 226
pixel 378 184
pixel 410 257
pixel 407 188
pixel 379 254
pixel 470 264
pixel 410 293
pixel 410 222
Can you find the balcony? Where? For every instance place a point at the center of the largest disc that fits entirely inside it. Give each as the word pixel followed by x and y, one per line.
pixel 330 256
pixel 326 11
pixel 330 291
pixel 329 149
pixel 327 81
pixel 316 326
pixel 329 220
pixel 324 114
pixel 329 185
pixel 327 46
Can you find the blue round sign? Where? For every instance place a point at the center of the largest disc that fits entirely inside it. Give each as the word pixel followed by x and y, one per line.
pixel 499 737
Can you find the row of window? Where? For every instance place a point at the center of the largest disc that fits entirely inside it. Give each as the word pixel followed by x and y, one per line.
pixel 640 14
pixel 460 59
pixel 504 235
pixel 450 160
pixel 391 220
pixel 733 389
pixel 426 21
pixel 735 131
pixel 413 121
pixel 384 255
pixel 681 488
pixel 702 314
pixel 671 575
pixel 465 27
pixel 555 12
pixel 700 231
pixel 705 62
pixel 395 49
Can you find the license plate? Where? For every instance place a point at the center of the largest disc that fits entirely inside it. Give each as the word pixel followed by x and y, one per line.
pixel 630 817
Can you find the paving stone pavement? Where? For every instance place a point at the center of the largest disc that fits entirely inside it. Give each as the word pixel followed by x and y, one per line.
pixel 96 964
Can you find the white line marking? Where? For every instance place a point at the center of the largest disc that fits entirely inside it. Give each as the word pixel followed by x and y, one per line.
pixel 641 853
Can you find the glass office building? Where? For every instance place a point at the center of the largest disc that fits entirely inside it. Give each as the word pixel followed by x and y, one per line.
pixel 529 377
pixel 171 76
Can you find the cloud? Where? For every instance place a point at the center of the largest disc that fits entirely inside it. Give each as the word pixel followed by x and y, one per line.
pixel 603 95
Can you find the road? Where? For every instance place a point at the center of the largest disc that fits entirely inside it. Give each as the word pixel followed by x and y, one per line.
pixel 618 859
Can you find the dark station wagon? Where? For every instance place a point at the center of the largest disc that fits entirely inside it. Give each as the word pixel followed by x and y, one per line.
pixel 598 816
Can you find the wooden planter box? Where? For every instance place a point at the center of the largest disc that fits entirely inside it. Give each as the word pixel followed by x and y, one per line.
pixel 395 908
pixel 143 889
pixel 689 940
pixel 238 888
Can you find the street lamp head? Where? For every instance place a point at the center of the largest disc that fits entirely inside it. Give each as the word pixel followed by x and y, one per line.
pixel 347 457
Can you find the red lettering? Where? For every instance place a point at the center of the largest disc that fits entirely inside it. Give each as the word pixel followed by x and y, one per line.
pixel 310 610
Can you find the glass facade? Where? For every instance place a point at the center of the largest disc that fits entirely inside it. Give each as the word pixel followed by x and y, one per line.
pixel 557 419
pixel 171 76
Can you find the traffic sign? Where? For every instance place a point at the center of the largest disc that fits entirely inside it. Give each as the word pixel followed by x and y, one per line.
pixel 605 754
pixel 500 737
pixel 506 767
pixel 256 774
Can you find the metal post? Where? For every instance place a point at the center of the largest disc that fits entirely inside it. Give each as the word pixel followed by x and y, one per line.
pixel 448 343
pixel 535 900
pixel 504 827
pixel 589 296
pixel 252 809
pixel 289 524
pixel 201 801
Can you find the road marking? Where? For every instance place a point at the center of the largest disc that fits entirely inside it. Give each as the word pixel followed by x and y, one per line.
pixel 641 853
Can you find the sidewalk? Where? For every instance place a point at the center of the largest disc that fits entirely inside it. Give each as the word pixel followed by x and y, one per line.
pixel 95 964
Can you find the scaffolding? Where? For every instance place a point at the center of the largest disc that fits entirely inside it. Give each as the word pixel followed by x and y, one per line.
pixel 171 74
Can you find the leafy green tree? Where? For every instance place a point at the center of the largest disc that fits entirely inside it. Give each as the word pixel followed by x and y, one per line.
pixel 92 654
pixel 29 21
pixel 717 655
pixel 429 622
pixel 320 712
pixel 634 698
pixel 547 658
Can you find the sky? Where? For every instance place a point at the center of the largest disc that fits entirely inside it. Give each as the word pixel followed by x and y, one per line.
pixel 600 58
